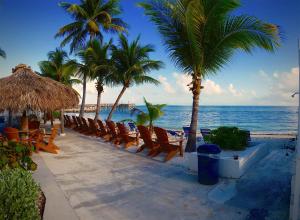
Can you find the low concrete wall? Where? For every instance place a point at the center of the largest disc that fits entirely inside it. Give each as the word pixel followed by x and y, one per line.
pixel 230 168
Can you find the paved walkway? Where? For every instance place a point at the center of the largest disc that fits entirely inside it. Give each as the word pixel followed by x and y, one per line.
pixel 101 181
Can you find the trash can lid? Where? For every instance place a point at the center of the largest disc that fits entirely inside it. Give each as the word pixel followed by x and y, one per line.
pixel 209 149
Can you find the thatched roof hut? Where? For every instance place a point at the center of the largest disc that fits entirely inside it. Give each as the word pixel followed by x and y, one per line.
pixel 25 89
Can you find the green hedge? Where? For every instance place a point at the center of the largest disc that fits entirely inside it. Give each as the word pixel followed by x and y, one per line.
pixel 18 195
pixel 228 138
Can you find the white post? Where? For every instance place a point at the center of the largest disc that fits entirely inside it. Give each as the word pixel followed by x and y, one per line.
pixel 295 198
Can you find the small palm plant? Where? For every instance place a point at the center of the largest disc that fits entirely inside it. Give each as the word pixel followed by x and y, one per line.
pixel 131 66
pixel 201 37
pixel 154 112
pixel 2 53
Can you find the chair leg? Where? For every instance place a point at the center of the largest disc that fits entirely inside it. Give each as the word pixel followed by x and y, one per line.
pixel 170 155
pixel 141 148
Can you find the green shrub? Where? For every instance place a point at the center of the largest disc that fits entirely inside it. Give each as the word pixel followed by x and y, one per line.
pixel 56 114
pixel 228 138
pixel 18 195
pixel 14 155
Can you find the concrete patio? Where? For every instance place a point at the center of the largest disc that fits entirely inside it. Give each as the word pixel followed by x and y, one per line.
pixel 96 180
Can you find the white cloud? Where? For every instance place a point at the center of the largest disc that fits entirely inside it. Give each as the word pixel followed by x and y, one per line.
pixel 182 81
pixel 280 88
pixel 233 90
pixel 166 85
pixel 211 88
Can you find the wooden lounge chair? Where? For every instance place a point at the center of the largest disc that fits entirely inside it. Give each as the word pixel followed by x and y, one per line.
pixel 127 138
pixel 75 122
pixel 94 131
pixel 71 123
pixel 86 127
pixel 45 142
pixel 149 143
pixel 81 127
pixel 103 131
pixel 114 135
pixel 167 146
pixel 34 125
pixel 12 134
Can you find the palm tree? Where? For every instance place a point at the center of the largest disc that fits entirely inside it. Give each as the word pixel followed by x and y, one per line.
pixel 201 37
pixel 153 113
pixel 92 17
pixel 98 55
pixel 2 53
pixel 60 68
pixel 131 63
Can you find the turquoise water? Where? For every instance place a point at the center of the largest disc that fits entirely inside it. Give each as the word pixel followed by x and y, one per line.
pixel 262 119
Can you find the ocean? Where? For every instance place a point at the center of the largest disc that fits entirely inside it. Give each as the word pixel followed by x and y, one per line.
pixel 260 119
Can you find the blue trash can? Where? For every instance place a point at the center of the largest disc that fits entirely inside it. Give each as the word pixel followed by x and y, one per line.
pixel 208 164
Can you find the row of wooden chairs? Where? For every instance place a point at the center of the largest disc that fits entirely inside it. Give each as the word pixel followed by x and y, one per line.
pixel 36 138
pixel 117 133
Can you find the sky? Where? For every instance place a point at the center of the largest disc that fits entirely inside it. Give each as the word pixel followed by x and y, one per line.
pixel 261 78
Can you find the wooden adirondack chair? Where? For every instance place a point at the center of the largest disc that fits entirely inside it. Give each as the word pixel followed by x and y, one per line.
pixel 149 143
pixel 82 127
pixel 33 125
pixel 12 134
pixel 86 128
pixel 94 131
pixel 103 131
pixel 126 137
pixel 71 123
pixel 45 142
pixel 167 146
pixel 75 122
pixel 114 135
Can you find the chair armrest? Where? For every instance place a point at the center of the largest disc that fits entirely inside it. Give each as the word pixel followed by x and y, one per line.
pixel 175 141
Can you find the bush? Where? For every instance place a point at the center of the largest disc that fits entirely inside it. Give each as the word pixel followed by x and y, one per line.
pixel 18 195
pixel 16 155
pixel 56 114
pixel 228 138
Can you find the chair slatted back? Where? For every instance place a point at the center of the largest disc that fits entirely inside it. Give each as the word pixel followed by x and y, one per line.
pixel 54 131
pixel 84 123
pixel 33 125
pixel 145 135
pixel 101 127
pixel 161 135
pixel 112 128
pixel 12 134
pixel 92 124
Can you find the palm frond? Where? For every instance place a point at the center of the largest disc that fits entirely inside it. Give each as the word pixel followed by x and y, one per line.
pixel 2 53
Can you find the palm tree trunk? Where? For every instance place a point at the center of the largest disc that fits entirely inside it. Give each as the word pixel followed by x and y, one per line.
pixel 62 122
pixel 81 114
pixel 192 139
pixel 116 103
pixel 51 118
pixel 10 118
pixel 97 115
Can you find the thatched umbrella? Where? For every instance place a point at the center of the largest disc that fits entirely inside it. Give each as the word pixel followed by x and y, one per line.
pixel 26 90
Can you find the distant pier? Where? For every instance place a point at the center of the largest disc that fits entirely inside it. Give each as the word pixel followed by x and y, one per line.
pixel 103 107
